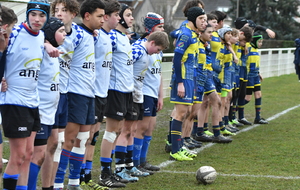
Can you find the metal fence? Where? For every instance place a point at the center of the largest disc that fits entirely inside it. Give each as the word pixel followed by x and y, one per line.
pixel 274 62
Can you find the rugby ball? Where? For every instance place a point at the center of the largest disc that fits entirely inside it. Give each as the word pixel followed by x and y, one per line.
pixel 206 175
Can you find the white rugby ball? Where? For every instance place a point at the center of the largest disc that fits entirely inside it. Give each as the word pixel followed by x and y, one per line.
pixel 206 175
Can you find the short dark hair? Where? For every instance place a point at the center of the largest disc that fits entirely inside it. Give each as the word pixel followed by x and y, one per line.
pixel 220 15
pixel 191 3
pixel 70 5
pixel 211 16
pixel 90 6
pixel 248 33
pixel 8 16
pixel 111 6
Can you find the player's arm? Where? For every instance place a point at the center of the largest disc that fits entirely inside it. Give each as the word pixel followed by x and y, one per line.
pixel 270 32
pixel 235 58
pixel 178 74
pixel 160 101
pixel 52 51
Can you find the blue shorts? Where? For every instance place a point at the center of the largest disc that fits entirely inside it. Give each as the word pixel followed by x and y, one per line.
pixel 243 73
pixel 209 85
pixel 226 76
pixel 61 115
pixel 198 97
pixel 189 93
pixel 81 109
pixel 217 83
pixel 226 87
pixel 150 106
pixel 44 133
pixel 237 81
pixel 253 81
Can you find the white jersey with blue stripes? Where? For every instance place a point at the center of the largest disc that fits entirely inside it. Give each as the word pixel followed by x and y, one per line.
pixel 152 78
pixel 23 60
pixel 82 66
pixel 48 89
pixel 140 64
pixel 71 41
pixel 121 78
pixel 103 60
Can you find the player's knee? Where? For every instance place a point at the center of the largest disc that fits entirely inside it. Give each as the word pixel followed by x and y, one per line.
pixel 110 136
pixel 95 138
pixel 82 137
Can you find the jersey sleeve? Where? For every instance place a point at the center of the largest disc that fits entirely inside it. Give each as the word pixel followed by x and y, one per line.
pixel 12 37
pixel 182 43
pixel 79 35
pixel 113 37
pixel 137 53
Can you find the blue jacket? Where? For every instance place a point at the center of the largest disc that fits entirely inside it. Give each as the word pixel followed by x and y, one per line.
pixel 297 56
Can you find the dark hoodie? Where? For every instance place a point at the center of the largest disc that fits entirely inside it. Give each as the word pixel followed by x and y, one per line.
pixel 297 57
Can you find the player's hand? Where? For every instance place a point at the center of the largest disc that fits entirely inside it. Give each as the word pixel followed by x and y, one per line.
pixel 95 33
pixel 160 104
pixel 261 78
pixel 3 85
pixel 235 59
pixel 270 33
pixel 52 51
pixel 130 36
pixel 180 90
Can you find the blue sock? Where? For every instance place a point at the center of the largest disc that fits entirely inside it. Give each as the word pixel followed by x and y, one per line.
pixel 145 148
pixel 205 126
pixel 64 160
pixel 257 108
pixel 120 158
pixel 216 130
pixel 128 157
pixel 19 187
pixel 75 165
pixel 10 181
pixel 221 124
pixel 88 166
pixel 195 125
pixel 200 131
pixel 176 135
pixel 226 120
pixel 138 143
pixel 83 166
pixel 105 165
pixel 170 128
pixel 241 104
pixel 33 176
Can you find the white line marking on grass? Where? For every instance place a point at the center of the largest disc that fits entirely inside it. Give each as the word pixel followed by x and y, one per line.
pixel 166 163
pixel 235 175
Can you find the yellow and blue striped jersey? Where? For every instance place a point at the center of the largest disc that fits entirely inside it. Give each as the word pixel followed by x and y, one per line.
pixel 187 44
pixel 253 61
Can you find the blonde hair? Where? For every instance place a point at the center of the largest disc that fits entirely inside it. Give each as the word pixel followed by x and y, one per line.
pixel 160 39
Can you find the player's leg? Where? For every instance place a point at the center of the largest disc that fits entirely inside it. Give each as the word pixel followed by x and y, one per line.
pixel 146 143
pixel 47 166
pixel 258 102
pixel 38 157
